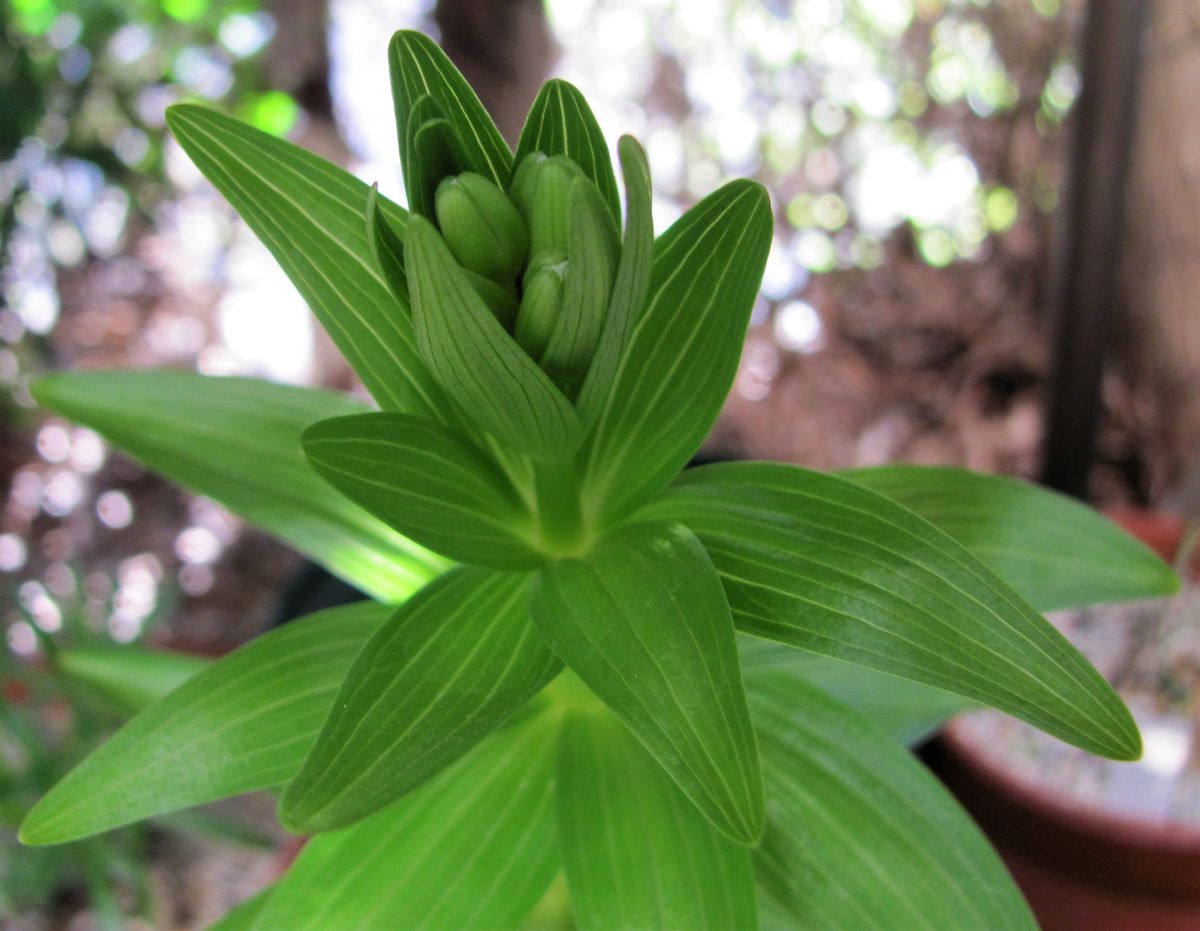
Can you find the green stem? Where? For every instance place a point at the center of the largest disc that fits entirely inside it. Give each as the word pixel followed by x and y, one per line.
pixel 560 519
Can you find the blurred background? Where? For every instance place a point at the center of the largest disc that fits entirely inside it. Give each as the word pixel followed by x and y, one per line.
pixel 987 247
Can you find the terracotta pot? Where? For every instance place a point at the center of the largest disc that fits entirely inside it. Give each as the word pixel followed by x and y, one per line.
pixel 1081 868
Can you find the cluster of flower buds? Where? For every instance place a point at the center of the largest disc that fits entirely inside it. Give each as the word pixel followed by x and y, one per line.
pixel 542 256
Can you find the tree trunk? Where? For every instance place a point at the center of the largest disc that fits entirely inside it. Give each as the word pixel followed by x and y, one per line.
pixel 1162 258
pixel 504 49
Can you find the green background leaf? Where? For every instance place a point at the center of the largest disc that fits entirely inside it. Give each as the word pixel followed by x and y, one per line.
pixel 680 360
pixel 643 621
pixel 560 122
pixel 473 848
pixel 448 668
pixel 826 565
pixel 310 215
pixel 428 483
pixel 860 835
pixel 1056 552
pixel 243 916
pixel 132 676
pixel 906 711
pixel 636 851
pixel 237 440
pixel 243 724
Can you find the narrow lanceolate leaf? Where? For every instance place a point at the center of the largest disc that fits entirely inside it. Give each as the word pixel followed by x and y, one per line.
pixel 237 440
pixel 428 483
pixel 1056 552
pixel 496 384
pixel 309 213
pixel 824 564
pixel 636 852
pixel 561 123
pixel 631 286
pixel 906 711
pixel 242 917
pixel 387 247
pixel 132 676
pixel 680 359
pixel 643 621
pixel 452 665
pixel 243 724
pixel 418 68
pixel 859 835
pixel 473 848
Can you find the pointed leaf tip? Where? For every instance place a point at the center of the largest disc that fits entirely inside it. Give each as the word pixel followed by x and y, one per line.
pixel 643 621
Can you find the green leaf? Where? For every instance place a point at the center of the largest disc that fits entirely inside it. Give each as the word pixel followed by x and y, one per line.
pixel 448 668
pixel 560 122
pixel 309 214
pixel 434 151
pixel 476 361
pixel 473 848
pixel 1056 552
pixel 906 711
pixel 643 621
pixel 237 440
pixel 823 564
pixel 636 851
pixel 387 247
pixel 680 359
pixel 859 835
pixel 631 286
pixel 132 676
pixel 418 68
pixel 432 486
pixel 242 917
pixel 243 724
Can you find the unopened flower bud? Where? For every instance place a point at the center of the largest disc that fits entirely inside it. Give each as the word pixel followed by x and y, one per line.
pixel 540 304
pixel 482 228
pixel 520 188
pixel 549 208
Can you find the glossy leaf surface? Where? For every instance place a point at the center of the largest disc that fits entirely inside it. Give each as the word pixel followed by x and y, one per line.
pixel 643 621
pixel 132 676
pixel 450 666
pixel 631 286
pixel 636 851
pixel 860 835
pixel 824 564
pixel 1056 552
pixel 560 122
pixel 237 440
pixel 473 848
pixel 309 214
pixel 243 724
pixel 427 483
pixel 476 361
pixel 419 67
pixel 681 356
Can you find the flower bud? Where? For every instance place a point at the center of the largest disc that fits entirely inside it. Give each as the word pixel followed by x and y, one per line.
pixel 520 188
pixel 592 257
pixel 482 228
pixel 540 304
pixel 549 208
pixel 500 300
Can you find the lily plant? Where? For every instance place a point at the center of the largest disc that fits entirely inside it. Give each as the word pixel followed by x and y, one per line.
pixel 592 687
